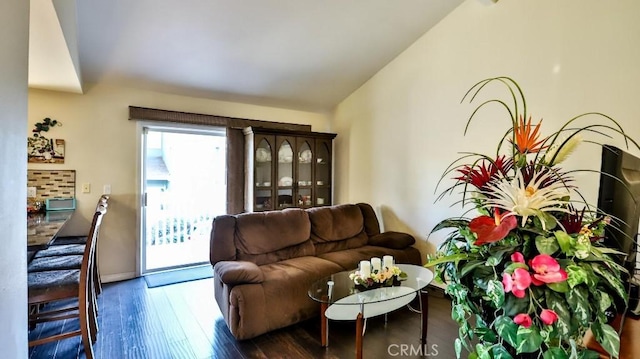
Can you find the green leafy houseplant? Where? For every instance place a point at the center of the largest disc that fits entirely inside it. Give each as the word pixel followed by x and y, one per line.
pixel 528 275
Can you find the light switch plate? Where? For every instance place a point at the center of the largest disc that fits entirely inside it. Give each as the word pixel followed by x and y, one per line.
pixel 106 189
pixel 86 188
pixel 31 192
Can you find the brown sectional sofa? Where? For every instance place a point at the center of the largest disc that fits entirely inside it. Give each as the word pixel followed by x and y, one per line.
pixel 264 262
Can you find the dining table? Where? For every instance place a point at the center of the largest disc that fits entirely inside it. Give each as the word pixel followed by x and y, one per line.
pixel 42 228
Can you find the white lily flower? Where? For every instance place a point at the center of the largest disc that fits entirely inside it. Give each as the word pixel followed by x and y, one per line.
pixel 529 200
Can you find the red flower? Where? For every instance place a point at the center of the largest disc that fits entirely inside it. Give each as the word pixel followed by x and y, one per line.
pixel 517 282
pixel 547 270
pixel 517 257
pixel 548 316
pixel 572 221
pixel 492 229
pixel 481 174
pixel 522 319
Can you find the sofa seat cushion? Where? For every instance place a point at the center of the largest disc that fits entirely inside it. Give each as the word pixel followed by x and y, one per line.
pixel 286 286
pixel 350 258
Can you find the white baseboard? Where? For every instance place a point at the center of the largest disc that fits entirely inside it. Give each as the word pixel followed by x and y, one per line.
pixel 117 277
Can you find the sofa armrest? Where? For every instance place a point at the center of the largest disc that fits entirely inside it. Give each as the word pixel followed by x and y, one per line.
pixel 238 272
pixel 394 240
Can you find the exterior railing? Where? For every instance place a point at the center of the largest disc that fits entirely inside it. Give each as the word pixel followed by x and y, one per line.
pixel 175 228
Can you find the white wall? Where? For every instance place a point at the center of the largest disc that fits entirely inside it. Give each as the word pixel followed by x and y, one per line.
pixel 14 40
pixel 399 131
pixel 101 145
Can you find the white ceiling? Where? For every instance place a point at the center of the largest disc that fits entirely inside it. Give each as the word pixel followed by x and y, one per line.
pixel 304 54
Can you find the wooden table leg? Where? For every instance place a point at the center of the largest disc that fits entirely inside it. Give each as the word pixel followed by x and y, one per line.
pixel 359 329
pixel 324 332
pixel 424 309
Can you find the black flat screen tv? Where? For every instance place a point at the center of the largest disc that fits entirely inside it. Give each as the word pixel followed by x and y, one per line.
pixel 619 197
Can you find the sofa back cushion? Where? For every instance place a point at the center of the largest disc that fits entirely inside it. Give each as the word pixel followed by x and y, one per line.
pixel 267 237
pixel 337 228
pixel 222 246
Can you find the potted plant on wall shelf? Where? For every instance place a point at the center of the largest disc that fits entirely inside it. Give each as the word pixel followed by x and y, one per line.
pixel 527 273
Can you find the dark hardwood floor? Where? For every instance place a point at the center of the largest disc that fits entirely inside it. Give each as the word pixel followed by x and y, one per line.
pixel 183 321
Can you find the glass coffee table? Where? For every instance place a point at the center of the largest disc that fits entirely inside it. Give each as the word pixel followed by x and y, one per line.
pixel 340 300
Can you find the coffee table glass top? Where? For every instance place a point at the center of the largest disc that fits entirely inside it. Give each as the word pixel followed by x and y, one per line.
pixel 343 291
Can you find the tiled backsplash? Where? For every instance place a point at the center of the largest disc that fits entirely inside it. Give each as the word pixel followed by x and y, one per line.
pixel 52 184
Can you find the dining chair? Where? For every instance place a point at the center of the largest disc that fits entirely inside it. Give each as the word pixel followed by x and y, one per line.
pixel 68 255
pixel 65 240
pixel 46 288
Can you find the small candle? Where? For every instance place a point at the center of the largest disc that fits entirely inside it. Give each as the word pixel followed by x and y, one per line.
pixel 330 291
pixel 376 264
pixel 365 269
pixel 387 261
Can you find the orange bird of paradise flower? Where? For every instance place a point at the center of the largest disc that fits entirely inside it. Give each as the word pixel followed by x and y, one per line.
pixel 526 139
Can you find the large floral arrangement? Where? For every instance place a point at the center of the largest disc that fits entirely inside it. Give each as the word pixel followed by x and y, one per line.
pixel 528 274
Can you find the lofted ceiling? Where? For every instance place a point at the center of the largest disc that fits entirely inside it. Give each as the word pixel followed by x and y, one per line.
pixel 302 54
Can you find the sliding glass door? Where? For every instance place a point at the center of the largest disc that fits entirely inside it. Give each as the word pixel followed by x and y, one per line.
pixel 183 187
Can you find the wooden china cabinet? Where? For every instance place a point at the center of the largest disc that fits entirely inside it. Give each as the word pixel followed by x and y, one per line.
pixel 287 169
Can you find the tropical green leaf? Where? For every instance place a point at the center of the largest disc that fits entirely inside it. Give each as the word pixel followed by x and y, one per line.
pixel 589 354
pixel 458 313
pixel 457 346
pixel 445 259
pixel 492 261
pixel 499 352
pixel 451 223
pixel 465 330
pixel 578 299
pixel 487 335
pixel 495 292
pixel 457 291
pixel 470 266
pixel 564 241
pixel 546 245
pixel 612 281
pixel 574 349
pixel 576 275
pixel 546 218
pixel 606 250
pixel 529 339
pixel 558 304
pixel 607 261
pixel 591 279
pixel 513 266
pixel 607 337
pixel 481 276
pixel 507 329
pixel 513 305
pixel 560 287
pixel 555 353
pixel 483 350
pixel 604 301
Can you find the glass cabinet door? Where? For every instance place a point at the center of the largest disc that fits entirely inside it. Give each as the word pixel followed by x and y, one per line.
pixel 285 173
pixel 305 175
pixel 323 173
pixel 263 176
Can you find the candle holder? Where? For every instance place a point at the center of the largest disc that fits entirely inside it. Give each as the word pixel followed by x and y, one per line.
pixel 386 277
